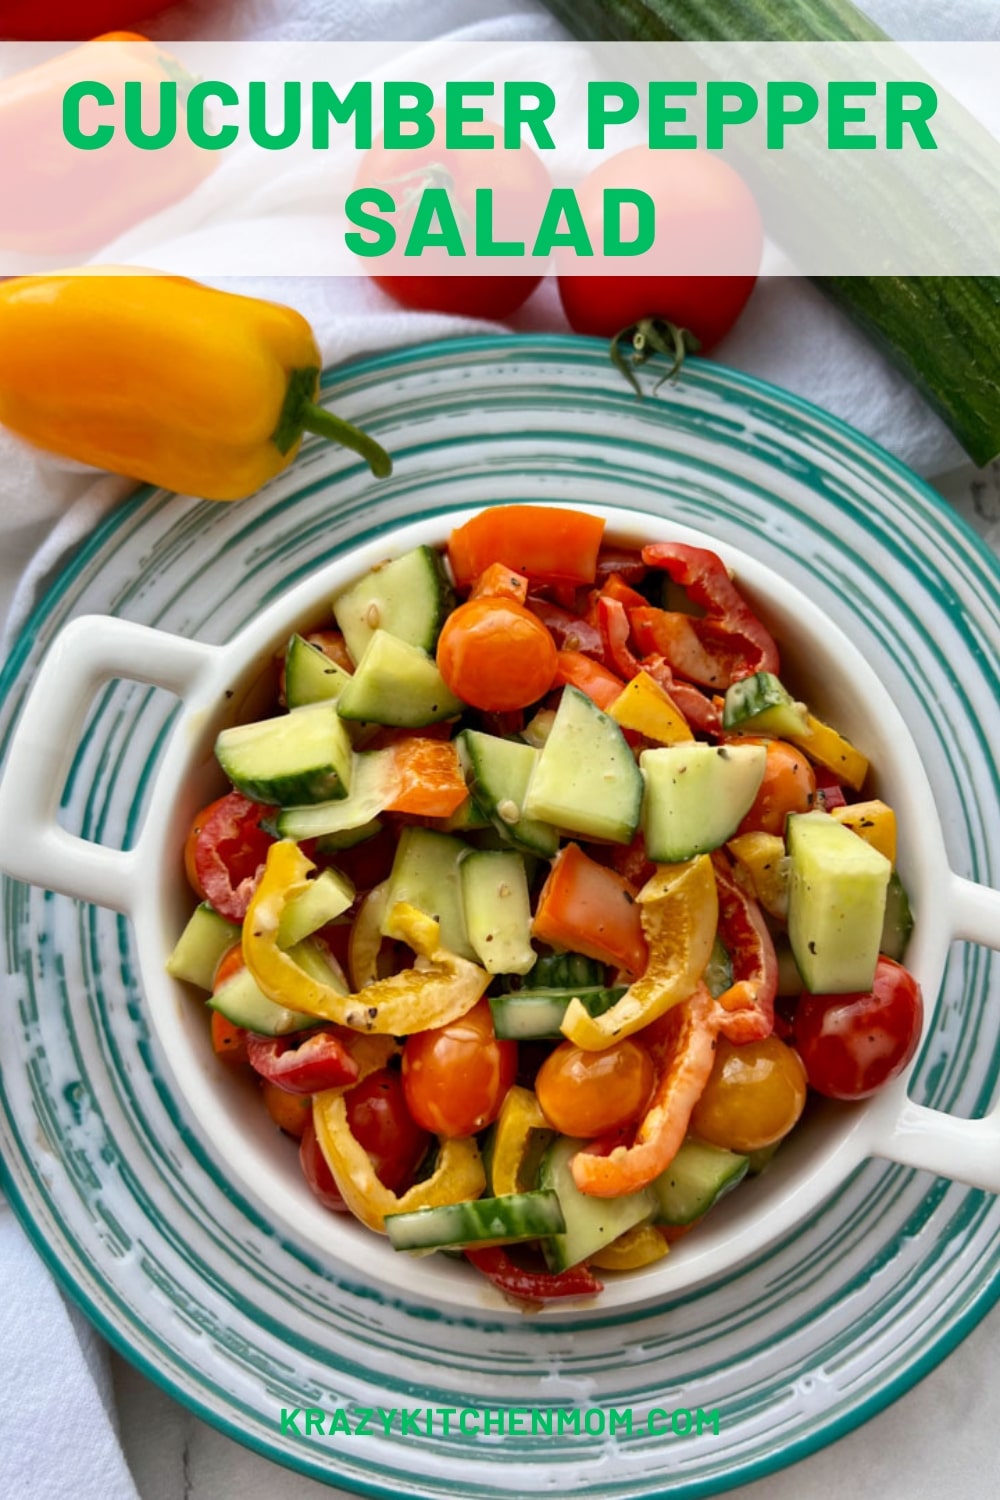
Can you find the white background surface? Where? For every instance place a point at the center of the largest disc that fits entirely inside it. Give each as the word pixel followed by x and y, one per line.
pixel 940 1440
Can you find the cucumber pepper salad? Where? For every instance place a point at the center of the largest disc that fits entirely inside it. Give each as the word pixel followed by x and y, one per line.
pixel 539 905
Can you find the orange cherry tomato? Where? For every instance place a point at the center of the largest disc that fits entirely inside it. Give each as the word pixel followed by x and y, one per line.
pixel 229 1042
pixel 456 1077
pixel 291 1112
pixel 755 1094
pixel 496 655
pixel 592 1093
pixel 789 786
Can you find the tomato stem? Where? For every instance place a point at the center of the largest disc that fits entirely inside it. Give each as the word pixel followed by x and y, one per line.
pixel 648 337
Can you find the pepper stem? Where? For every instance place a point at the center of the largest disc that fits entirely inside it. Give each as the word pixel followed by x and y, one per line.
pixel 313 418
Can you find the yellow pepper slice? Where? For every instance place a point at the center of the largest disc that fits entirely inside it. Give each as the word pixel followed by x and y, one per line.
pixel 825 746
pixel 874 821
pixel 646 708
pixel 438 990
pixel 679 909
pixel 639 1246
pixel 520 1114
pixel 761 858
pixel 457 1177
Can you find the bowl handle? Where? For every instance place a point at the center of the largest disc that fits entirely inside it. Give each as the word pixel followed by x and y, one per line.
pixel 964 1150
pixel 89 652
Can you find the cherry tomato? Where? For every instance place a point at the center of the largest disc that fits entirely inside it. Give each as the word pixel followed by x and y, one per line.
pixel 229 1042
pixel 225 853
pixel 520 186
pixel 589 1093
pixel 68 20
pixel 789 786
pixel 290 1112
pixel 382 1124
pixel 698 198
pixel 457 1076
pixel 852 1044
pixel 496 655
pixel 754 1095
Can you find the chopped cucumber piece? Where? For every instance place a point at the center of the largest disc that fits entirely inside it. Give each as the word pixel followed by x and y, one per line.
pixel 586 780
pixel 468 817
pixel 790 981
pixel 523 1015
pixel 498 772
pixel 326 897
pixel 498 910
pixel 201 945
pixel 300 757
pixel 242 1001
pixel 697 1178
pixel 310 675
pixel 718 975
pixel 759 1160
pixel 373 783
pixel 333 843
pixel 836 904
pixel 425 874
pixel 696 796
pixel 398 684
pixel 538 729
pixel 898 923
pixel 591 1222
pixel 762 705
pixel 506 1220
pixel 409 598
pixel 566 971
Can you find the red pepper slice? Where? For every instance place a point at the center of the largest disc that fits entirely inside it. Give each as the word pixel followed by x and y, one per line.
pixel 569 631
pixel 733 638
pixel 615 631
pixel 701 713
pixel 615 587
pixel 749 1000
pixel 532 1286
pixel 320 1062
pixel 621 560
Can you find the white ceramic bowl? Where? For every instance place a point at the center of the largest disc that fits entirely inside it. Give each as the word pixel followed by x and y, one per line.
pixel 218 686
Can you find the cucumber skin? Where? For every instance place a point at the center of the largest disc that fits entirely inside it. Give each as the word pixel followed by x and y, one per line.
pixel 507 1220
pixel 940 332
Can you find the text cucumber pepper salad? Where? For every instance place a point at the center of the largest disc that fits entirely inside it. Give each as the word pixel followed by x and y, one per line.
pixel 539 905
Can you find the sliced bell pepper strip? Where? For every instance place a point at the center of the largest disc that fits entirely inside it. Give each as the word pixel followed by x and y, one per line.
pixel 590 909
pixel 705 579
pixel 646 708
pixel 615 587
pixel 702 713
pixel 520 1115
pixel 641 1245
pixel 320 1062
pixel 573 669
pixel 628 564
pixel 701 651
pixel 683 1044
pixel 571 632
pixel 613 622
pixel 532 1286
pixel 762 869
pixel 748 1005
pixel 441 988
pixel 679 912
pixel 547 544
pixel 873 821
pixel 458 1175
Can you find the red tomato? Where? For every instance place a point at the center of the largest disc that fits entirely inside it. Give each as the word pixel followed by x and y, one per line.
pixel 225 853
pixel 852 1044
pixel 382 1124
pixel 520 186
pixel 699 199
pixel 496 655
pixel 589 1093
pixel 71 20
pixel 789 786
pixel 457 1076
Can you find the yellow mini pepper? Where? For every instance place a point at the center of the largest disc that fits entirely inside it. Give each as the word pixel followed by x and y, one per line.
pixel 163 379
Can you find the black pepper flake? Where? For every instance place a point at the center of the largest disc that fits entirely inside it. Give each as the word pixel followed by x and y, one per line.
pixel 229 692
pixel 373 1011
pixel 812 947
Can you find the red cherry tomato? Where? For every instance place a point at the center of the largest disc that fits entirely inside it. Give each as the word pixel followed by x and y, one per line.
pixel 696 195
pixel 852 1044
pixel 520 186
pixel 789 786
pixel 457 1076
pixel 589 1093
pixel 496 655
pixel 225 853
pixel 382 1124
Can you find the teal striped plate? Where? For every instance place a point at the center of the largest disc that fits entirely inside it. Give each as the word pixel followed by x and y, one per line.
pixel 134 1209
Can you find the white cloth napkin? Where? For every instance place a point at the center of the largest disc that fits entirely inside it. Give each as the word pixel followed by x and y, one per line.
pixel 57 1425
